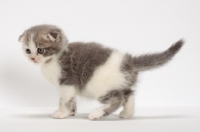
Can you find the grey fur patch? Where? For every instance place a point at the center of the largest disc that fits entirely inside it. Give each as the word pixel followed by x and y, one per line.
pixel 126 93
pixel 127 65
pixel 129 72
pixel 150 61
pixel 66 73
pixel 80 61
pixel 114 98
pixel 50 51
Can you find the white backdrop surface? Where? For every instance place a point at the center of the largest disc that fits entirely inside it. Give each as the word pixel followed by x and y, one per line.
pixel 134 26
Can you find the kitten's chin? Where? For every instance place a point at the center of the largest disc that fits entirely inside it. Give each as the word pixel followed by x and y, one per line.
pixel 37 62
pixel 41 61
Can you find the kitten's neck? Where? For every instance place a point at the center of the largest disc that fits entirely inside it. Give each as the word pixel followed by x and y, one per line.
pixel 53 58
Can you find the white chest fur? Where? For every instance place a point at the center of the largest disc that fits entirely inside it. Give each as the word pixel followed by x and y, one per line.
pixel 52 71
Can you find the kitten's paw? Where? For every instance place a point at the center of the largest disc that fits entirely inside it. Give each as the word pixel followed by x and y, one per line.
pixel 96 114
pixel 125 115
pixel 59 115
pixel 72 113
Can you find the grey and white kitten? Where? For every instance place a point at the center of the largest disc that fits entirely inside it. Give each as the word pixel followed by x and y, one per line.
pixel 89 69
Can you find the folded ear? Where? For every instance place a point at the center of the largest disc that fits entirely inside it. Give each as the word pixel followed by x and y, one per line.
pixel 53 36
pixel 21 38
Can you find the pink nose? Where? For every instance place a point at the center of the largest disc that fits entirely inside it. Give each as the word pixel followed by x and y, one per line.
pixel 33 59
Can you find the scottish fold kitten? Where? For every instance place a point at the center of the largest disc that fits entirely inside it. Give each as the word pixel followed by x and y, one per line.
pixel 89 69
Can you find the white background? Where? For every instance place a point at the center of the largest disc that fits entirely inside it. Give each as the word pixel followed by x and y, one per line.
pixel 133 26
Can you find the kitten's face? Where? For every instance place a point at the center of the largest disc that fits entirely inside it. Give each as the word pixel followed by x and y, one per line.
pixel 41 43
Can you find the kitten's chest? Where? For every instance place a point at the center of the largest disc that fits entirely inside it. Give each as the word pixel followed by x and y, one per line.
pixel 52 71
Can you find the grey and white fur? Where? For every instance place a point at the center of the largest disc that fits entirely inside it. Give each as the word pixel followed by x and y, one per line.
pixel 89 69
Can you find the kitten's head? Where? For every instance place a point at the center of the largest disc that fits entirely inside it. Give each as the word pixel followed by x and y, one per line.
pixel 42 42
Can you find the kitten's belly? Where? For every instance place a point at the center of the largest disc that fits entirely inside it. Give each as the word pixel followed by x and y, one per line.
pixel 52 72
pixel 106 77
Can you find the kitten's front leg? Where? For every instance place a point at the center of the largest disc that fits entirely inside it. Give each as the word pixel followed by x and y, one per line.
pixel 67 95
pixel 71 105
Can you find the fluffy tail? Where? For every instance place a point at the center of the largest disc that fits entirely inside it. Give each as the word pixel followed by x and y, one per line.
pixel 150 61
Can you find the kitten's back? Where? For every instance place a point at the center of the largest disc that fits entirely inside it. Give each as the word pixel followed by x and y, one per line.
pixel 84 58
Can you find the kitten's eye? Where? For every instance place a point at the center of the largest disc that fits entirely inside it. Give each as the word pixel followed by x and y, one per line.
pixel 28 51
pixel 40 51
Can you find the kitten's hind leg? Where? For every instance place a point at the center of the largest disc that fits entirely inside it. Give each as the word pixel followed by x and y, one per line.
pixel 112 101
pixel 128 104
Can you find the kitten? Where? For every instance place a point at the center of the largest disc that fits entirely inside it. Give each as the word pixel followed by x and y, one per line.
pixel 89 69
